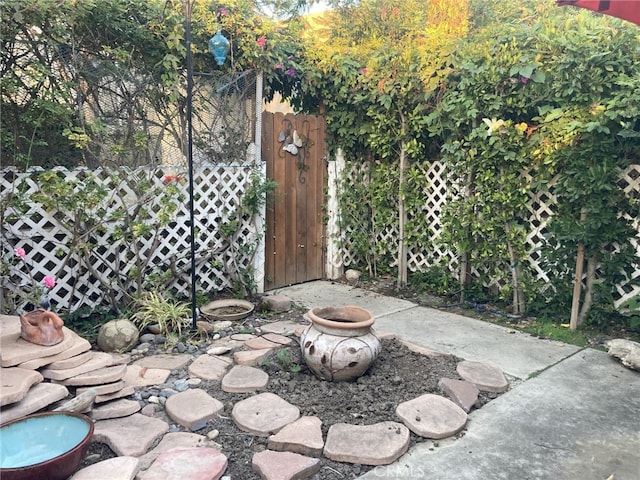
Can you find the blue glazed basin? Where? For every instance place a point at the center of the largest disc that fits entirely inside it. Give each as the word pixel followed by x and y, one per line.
pixel 47 445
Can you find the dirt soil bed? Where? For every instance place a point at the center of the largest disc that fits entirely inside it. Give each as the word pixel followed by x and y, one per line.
pixel 398 375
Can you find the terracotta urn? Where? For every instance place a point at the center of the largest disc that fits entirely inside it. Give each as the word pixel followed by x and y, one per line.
pixel 41 327
pixel 340 344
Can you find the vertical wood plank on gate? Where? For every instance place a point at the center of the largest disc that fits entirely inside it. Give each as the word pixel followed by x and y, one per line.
pixel 280 270
pixel 268 139
pixel 316 211
pixel 291 210
pixel 312 193
pixel 301 208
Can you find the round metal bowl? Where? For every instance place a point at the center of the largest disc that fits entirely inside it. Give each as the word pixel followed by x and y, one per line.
pixel 228 309
pixel 47 445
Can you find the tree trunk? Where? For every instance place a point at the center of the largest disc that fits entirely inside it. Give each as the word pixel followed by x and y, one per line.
pixel 592 265
pixel 402 220
pixel 516 286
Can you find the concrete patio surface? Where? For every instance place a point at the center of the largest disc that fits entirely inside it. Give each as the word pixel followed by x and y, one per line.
pixel 571 413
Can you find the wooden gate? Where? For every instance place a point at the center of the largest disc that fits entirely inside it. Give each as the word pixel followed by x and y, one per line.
pixel 294 243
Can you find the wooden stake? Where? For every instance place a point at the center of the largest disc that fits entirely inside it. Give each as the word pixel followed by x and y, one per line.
pixel 577 285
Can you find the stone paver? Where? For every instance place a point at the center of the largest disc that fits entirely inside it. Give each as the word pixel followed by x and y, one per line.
pixel 264 414
pixel 251 357
pixel 96 361
pixel 414 347
pixel 125 392
pixel 117 468
pixel 164 361
pixel 190 463
pixel 244 379
pixel 16 382
pixel 37 398
pixel 228 342
pixel 277 338
pixel 272 465
pixel 462 393
pixel 144 377
pixel 193 408
pixel 209 367
pixel 243 337
pixel 19 351
pixel 105 389
pixel 71 362
pixel 115 409
pixel 378 444
pixel 283 327
pixel 80 346
pixel 432 416
pixel 486 377
pixel 173 440
pixel 261 343
pixel 130 436
pixel 96 377
pixel 303 436
pixel 276 303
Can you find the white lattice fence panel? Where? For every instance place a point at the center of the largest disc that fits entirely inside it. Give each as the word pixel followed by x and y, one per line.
pixel 440 188
pixel 96 275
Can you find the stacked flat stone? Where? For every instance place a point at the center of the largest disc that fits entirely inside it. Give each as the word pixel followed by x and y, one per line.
pixel 36 377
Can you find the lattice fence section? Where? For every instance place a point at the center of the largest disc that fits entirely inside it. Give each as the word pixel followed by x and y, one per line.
pixel 439 189
pixel 97 275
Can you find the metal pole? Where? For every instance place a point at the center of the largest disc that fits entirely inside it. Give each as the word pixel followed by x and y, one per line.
pixel 194 314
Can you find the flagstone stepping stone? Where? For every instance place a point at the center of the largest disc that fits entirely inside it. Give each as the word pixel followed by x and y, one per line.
pixel 272 465
pixel 130 436
pixel 276 338
pixel 462 393
pixel 96 377
pixel 276 303
pixel 164 361
pixel 432 416
pixel 260 343
pixel 244 379
pixel 105 389
pixel 251 357
pixel 117 468
pixel 16 382
pixel 378 444
pixel 9 328
pixel 97 361
pixel 71 362
pixel 486 377
pixel 264 414
pixel 80 346
pixel 115 409
pixel 173 440
pixel 283 327
pixel 228 342
pixel 303 436
pixel 144 377
pixel 203 463
pixel 19 350
pixel 37 398
pixel 193 408
pixel 209 367
pixel 124 392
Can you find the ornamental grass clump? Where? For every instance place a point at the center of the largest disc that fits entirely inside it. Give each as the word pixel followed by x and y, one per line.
pixel 171 316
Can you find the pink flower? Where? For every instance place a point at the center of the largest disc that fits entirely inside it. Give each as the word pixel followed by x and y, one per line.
pixel 223 11
pixel 262 41
pixel 291 72
pixel 524 79
pixel 278 66
pixel 20 252
pixel 364 71
pixel 49 281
